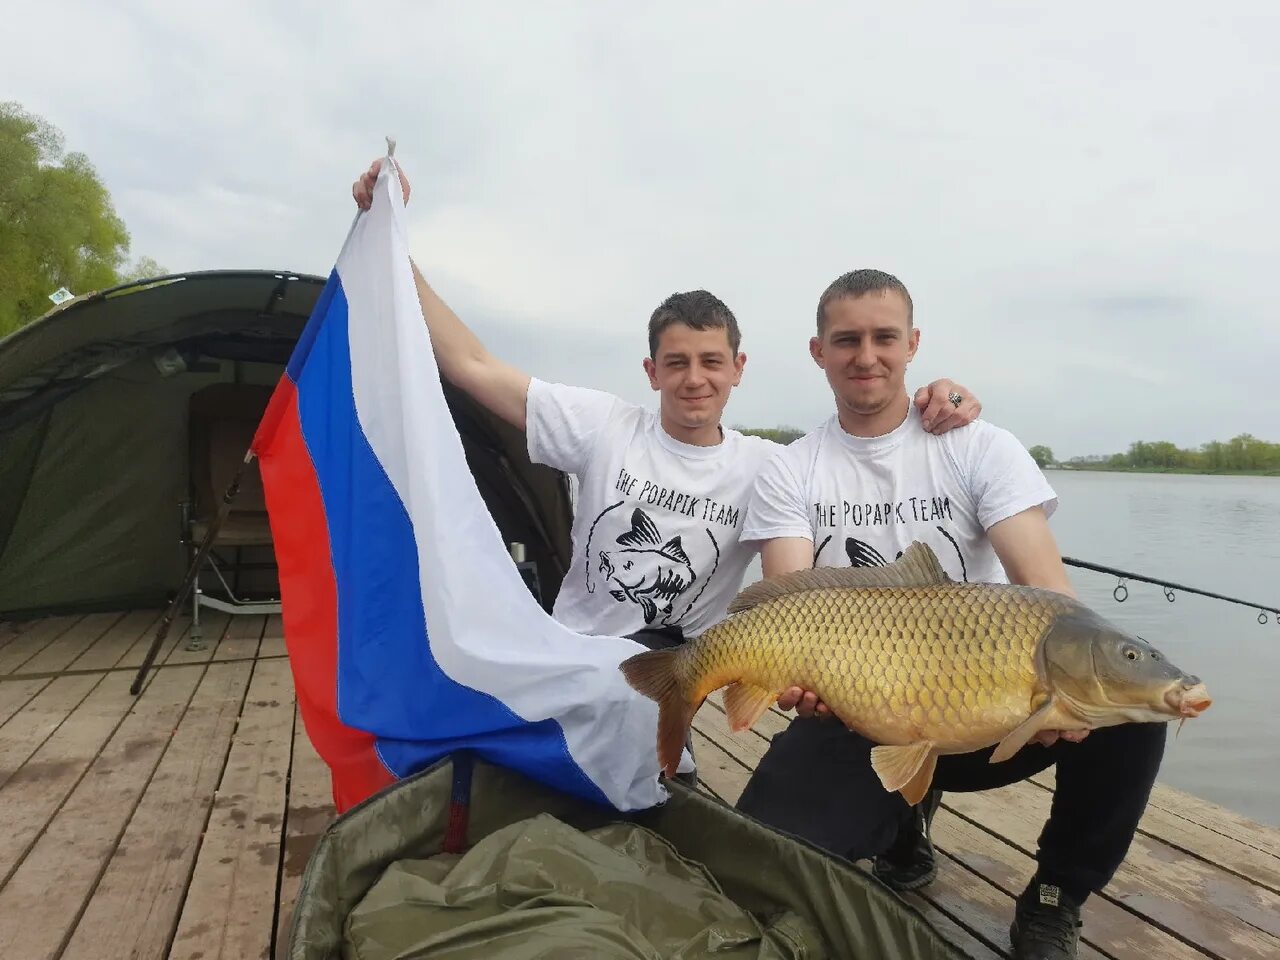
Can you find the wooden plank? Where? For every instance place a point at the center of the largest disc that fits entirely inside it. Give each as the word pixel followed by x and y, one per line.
pixel 1225 853
pixel 31 642
pixel 135 907
pixel 273 644
pixel 27 731
pixel 1218 819
pixel 43 899
pixel 979 906
pixel 177 634
pixel 1219 913
pixel 120 639
pixel 728 775
pixel 10 629
pixel 72 643
pixel 714 725
pixel 230 906
pixel 241 639
pixel 1217 824
pixel 213 624
pixel 1114 931
pixel 35 792
pixel 309 814
pixel 16 694
pixel 1243 859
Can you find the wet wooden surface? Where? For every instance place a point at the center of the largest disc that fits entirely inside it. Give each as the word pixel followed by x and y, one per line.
pixel 178 823
pixel 173 824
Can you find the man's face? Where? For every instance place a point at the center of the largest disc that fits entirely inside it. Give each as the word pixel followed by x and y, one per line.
pixel 864 349
pixel 694 371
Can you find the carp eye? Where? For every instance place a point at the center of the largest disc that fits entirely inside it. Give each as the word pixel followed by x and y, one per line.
pixel 1131 653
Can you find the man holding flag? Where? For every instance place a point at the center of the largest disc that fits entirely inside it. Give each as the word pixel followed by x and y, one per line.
pixel 411 635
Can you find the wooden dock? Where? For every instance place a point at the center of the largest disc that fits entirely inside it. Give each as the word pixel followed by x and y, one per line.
pixel 178 823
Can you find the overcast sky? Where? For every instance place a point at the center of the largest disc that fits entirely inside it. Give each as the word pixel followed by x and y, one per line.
pixel 1083 199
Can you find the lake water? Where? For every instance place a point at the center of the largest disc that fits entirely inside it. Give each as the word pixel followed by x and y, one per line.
pixel 1220 534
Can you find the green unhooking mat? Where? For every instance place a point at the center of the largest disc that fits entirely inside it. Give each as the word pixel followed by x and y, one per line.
pixel 545 875
pixel 540 888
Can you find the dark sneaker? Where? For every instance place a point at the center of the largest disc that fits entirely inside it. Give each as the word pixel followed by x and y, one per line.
pixel 910 863
pixel 1046 924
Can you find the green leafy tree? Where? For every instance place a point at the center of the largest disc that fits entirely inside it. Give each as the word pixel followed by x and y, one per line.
pixel 58 227
pixel 144 269
pixel 1042 455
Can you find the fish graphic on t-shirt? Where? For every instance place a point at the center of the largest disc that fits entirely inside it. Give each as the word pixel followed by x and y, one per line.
pixel 647 571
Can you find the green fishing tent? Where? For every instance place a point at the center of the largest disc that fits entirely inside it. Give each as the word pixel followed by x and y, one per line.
pixel 123 415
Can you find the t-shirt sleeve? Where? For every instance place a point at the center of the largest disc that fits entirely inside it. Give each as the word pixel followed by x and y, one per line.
pixel 563 424
pixel 777 505
pixel 1004 478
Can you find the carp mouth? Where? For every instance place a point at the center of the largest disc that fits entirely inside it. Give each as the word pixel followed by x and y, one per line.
pixel 1188 699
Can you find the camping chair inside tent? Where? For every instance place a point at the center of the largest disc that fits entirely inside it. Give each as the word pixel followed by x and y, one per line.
pixel 222 419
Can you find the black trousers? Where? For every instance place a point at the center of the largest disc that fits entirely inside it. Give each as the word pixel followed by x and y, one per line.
pixel 816 781
pixel 663 638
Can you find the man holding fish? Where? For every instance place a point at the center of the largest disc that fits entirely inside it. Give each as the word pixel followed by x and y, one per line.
pixel 857 493
pixel 662 537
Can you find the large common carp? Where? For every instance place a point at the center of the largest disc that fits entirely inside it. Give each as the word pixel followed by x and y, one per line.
pixel 917 663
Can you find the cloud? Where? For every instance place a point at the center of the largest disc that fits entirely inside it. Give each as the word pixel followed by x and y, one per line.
pixel 1078 198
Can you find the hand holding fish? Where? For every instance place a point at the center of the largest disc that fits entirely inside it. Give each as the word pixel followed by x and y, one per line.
pixel 806 702
pixel 1048 738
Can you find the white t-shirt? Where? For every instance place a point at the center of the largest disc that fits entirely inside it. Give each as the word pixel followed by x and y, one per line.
pixel 657 522
pixel 864 500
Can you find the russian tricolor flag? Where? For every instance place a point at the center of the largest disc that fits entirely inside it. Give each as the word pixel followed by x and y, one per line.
pixel 410 632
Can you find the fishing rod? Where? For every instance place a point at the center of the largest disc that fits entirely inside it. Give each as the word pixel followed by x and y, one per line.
pixel 1121 592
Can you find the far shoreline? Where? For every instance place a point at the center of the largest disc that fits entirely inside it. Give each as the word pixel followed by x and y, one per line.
pixel 1191 471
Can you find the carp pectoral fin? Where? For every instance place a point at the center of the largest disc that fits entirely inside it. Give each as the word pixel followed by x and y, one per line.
pixel 914 791
pixel 745 703
pixel 898 767
pixel 1018 737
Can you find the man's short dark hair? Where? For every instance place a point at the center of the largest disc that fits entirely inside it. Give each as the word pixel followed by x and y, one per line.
pixel 697 309
pixel 857 283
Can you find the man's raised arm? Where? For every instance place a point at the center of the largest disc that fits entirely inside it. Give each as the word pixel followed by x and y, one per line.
pixel 463 359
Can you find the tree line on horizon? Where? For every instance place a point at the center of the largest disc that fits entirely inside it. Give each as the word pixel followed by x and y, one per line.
pixel 1243 453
